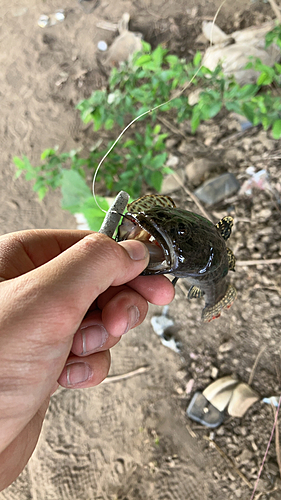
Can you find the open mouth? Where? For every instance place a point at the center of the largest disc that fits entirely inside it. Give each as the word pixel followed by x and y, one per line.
pixel 157 242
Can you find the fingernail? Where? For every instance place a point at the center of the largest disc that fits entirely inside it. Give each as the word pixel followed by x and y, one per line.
pixel 77 373
pixel 93 338
pixel 133 317
pixel 135 249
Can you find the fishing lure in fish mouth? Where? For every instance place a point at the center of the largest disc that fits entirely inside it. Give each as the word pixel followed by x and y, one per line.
pixel 185 245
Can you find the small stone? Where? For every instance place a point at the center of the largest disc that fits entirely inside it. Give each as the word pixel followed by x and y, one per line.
pixel 218 189
pixel 265 213
pixel 170 184
pixel 197 169
pixel 245 456
pixel 172 161
pixel 214 372
pixel 171 143
pixel 233 155
pixel 227 346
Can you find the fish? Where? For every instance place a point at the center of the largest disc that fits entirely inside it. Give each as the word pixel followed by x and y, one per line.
pixel 185 245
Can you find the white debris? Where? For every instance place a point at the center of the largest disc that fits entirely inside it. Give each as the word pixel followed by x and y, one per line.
pixel 233 51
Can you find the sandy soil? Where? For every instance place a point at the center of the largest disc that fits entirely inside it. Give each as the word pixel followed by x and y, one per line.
pixel 130 439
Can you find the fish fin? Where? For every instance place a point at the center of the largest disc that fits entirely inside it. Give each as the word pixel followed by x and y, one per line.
pixel 149 201
pixel 231 259
pixel 212 312
pixel 224 226
pixel 194 292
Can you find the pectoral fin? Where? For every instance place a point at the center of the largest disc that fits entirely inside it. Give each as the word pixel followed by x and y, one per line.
pixel 194 292
pixel 212 312
pixel 224 226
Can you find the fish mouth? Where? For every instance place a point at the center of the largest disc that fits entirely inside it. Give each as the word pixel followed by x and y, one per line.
pixel 160 247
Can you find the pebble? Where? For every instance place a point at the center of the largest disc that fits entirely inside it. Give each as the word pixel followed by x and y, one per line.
pixel 214 372
pixel 227 346
pixel 218 189
pixel 265 213
pixel 245 456
pixel 170 184
pixel 197 169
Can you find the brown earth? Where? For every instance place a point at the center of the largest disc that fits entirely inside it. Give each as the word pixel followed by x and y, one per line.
pixel 130 439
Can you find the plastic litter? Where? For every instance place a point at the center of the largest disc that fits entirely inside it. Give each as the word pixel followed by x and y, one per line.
pixel 217 189
pixel 202 411
pixel 102 45
pixel 161 325
pixel 257 180
pixel 272 400
pixel 52 19
pixel 243 397
pixel 226 394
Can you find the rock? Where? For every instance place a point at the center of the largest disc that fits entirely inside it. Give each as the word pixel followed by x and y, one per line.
pixel 232 155
pixel 218 189
pixel 265 213
pixel 197 169
pixel 170 184
pixel 172 161
pixel 227 346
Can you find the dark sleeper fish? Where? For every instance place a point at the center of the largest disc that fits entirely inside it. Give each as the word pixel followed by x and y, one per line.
pixel 185 245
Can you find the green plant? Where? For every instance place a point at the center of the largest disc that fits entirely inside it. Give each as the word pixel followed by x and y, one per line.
pixel 138 160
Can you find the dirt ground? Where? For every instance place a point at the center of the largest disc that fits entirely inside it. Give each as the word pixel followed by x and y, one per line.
pixel 130 439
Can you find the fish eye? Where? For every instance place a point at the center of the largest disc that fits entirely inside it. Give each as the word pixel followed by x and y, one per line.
pixel 181 229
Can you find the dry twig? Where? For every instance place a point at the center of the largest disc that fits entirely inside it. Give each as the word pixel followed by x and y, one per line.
pixel 257 262
pixel 170 126
pixel 266 451
pixel 277 443
pixel 260 353
pixel 125 376
pixel 192 196
pixel 229 460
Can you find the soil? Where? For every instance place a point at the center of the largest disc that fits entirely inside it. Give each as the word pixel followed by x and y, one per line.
pixel 130 439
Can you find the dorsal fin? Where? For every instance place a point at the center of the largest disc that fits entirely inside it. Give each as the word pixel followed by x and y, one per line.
pixel 149 201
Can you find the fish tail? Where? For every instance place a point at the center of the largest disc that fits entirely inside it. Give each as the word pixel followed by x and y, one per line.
pixel 212 312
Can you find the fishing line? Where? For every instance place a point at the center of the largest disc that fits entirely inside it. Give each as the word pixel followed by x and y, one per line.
pixel 178 94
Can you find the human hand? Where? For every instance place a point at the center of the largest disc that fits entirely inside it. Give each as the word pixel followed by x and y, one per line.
pixel 66 298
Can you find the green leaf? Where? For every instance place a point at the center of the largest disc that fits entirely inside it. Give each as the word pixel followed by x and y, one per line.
pixel 145 58
pixel 197 59
pixel 48 152
pixel 158 54
pixel 92 213
pixel 172 60
pixel 109 123
pixel 156 129
pixel 146 46
pixel 158 160
pixel 264 79
pixel 276 129
pixel 42 191
pixel 97 118
pixel 74 191
pixel 156 179
pixel 20 164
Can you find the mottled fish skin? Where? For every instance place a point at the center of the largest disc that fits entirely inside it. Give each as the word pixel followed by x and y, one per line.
pixel 193 248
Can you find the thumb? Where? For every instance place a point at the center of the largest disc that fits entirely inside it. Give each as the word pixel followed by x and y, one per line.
pixel 61 291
